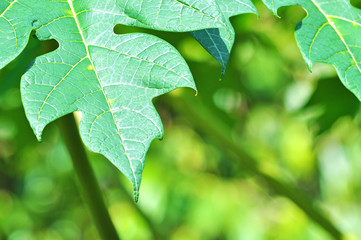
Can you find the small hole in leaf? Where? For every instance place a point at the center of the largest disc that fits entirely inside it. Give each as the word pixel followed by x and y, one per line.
pixel 123 29
pixel 171 37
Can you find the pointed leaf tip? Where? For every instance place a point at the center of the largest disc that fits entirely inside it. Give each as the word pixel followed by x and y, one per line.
pixel 136 195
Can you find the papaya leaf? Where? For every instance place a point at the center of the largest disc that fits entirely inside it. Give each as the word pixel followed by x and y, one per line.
pixel 111 79
pixel 331 33
pixel 211 16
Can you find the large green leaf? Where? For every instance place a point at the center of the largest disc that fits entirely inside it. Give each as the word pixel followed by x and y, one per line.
pixel 331 33
pixel 111 79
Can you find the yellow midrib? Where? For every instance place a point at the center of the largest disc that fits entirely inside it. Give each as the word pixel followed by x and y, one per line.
pixel 106 98
pixel 10 5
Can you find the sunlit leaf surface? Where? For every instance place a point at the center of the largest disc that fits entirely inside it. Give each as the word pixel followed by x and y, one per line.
pixel 331 33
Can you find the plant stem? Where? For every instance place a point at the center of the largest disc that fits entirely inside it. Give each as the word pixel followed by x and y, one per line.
pixel 89 186
pixel 208 124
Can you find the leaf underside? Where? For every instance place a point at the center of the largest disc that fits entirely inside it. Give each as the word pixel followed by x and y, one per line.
pixel 331 33
pixel 219 42
pixel 111 79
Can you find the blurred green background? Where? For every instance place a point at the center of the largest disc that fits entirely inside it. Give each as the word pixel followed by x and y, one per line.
pixel 300 128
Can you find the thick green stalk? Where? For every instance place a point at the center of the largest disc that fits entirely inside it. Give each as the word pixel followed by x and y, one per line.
pixel 209 125
pixel 89 186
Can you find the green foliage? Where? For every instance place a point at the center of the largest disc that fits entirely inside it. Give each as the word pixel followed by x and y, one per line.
pixel 330 34
pixel 110 79
pixel 268 105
